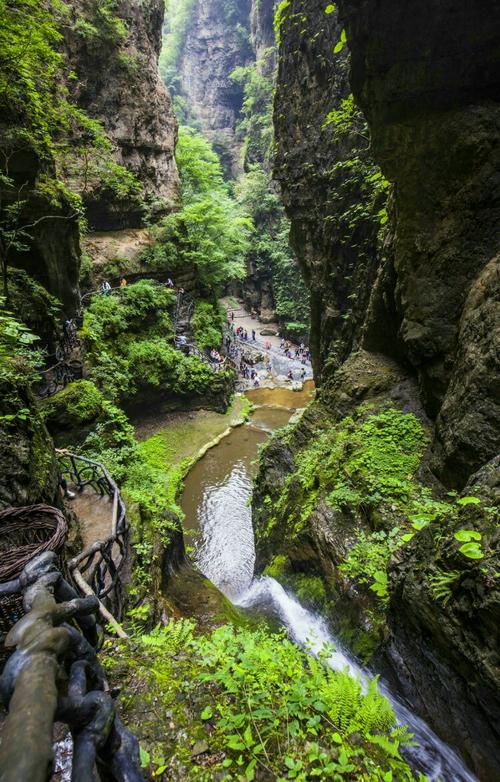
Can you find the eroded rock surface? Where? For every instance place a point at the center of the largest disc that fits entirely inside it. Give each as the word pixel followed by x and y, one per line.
pixel 119 84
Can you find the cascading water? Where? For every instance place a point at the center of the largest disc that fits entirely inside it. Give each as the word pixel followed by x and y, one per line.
pixel 431 755
pixel 217 504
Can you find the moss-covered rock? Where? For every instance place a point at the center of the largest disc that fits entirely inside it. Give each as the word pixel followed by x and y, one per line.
pixel 28 467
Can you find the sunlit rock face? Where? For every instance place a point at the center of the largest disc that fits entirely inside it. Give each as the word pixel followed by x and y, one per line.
pixel 217 42
pixel 119 84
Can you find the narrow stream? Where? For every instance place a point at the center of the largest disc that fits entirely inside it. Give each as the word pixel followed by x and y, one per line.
pixel 216 502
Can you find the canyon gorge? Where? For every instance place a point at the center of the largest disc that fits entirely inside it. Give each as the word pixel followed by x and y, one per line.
pixel 326 175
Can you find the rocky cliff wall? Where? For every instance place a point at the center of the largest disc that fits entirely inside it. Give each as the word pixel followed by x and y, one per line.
pixel 216 42
pixel 423 290
pixel 428 81
pixel 399 241
pixel 323 169
pixel 115 58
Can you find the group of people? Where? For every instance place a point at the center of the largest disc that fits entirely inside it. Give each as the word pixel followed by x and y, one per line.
pixel 302 375
pixel 243 334
pixel 249 373
pixel 106 287
pixel 216 357
pixel 300 353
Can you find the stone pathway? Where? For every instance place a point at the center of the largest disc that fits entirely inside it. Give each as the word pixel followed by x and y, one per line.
pixel 94 515
pixel 274 370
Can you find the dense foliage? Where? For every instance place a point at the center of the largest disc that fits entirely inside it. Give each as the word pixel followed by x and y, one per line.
pixel 51 151
pixel 263 709
pixel 206 323
pixel 270 255
pixel 211 232
pixel 129 341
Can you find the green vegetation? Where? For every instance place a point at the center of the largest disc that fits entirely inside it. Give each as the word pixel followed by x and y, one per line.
pixel 364 469
pixel 19 361
pixel 129 341
pixel 70 158
pixel 309 588
pixel 249 703
pixel 255 128
pixel 153 478
pixel 271 252
pixel 362 195
pixel 211 232
pixel 362 475
pixel 180 16
pixel 101 24
pixel 207 323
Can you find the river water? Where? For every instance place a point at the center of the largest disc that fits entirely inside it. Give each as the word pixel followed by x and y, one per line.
pixel 216 502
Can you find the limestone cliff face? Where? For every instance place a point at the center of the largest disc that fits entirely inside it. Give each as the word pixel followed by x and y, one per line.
pixel 322 174
pixel 427 297
pixel 428 84
pixel 216 43
pixel 262 27
pixel 119 84
pixel 406 274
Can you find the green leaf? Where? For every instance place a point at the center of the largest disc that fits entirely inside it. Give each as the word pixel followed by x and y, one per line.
pixel 341 43
pixel 472 550
pixel 419 525
pixel 337 738
pixel 406 538
pixel 144 757
pixel 250 770
pixel 466 535
pixel 206 713
pixel 330 8
pixel 249 740
pixel 469 501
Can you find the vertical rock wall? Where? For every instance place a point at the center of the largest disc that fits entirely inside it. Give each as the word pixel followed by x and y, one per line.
pixel 119 84
pixel 216 42
pixel 333 214
pixel 420 286
pixel 428 81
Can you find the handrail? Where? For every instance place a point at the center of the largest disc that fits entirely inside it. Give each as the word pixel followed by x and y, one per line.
pixel 54 674
pixel 102 561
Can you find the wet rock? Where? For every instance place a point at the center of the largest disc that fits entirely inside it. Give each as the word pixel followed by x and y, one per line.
pixel 199 748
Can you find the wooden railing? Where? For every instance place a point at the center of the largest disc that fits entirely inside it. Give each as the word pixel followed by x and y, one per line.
pixel 98 570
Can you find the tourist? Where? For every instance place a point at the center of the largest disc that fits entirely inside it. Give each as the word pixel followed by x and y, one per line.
pixel 232 316
pixel 170 283
pixel 303 374
pixel 290 375
pixel 123 282
pixel 256 383
pixel 105 287
pixel 253 335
